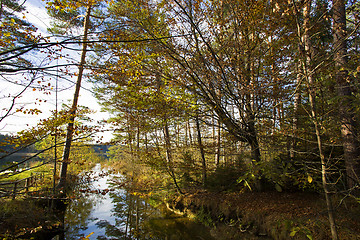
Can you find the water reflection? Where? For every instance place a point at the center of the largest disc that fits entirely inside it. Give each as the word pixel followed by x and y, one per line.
pixel 118 214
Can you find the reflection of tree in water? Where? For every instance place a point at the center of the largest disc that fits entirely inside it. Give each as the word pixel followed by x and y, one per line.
pixel 174 229
pixel 78 213
pixel 78 216
pixel 131 218
pixel 136 219
pixel 129 211
pixel 110 230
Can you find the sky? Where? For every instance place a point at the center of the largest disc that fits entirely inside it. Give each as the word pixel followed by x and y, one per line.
pixel 36 14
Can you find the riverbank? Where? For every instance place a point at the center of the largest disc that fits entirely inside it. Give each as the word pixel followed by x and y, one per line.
pixel 273 214
pixel 25 218
pixel 235 211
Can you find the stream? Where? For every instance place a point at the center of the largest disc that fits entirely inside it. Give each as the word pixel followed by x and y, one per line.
pixel 106 211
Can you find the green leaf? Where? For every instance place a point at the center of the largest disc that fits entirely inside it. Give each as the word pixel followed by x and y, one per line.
pixel 278 188
pixel 247 184
pixel 294 231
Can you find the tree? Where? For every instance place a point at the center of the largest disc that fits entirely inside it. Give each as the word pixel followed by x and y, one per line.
pixel 201 147
pixel 240 60
pixel 221 55
pixel 15 32
pixel 45 130
pixel 206 63
pixel 309 74
pixel 140 99
pixel 70 128
pixel 346 110
pixel 62 10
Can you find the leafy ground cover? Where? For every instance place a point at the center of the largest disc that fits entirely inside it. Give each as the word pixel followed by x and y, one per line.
pixel 233 210
pixel 277 215
pixel 23 218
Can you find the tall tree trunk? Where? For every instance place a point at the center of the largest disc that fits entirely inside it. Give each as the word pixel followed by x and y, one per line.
pixel 213 134
pixel 255 149
pixel 169 159
pixel 348 124
pixel 253 140
pixel 146 142
pixel 308 71
pixel 138 139
pixel 295 118
pixel 130 139
pixel 186 134
pixel 329 204
pixel 188 126
pixel 218 145
pixel 177 128
pixel 201 147
pixel 70 127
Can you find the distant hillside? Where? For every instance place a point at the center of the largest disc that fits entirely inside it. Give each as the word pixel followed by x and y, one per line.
pixel 101 149
pixel 6 148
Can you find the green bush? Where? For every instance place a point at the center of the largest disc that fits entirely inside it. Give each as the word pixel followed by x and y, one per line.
pixel 203 216
pixel 284 174
pixel 224 178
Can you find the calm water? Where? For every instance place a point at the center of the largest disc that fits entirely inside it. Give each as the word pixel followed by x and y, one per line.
pixel 120 215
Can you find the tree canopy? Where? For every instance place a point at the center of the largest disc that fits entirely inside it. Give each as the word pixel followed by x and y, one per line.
pixel 269 88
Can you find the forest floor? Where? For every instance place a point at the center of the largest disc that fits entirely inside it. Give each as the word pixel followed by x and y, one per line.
pixel 25 218
pixel 277 215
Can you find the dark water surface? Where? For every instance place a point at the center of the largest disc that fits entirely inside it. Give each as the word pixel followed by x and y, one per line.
pixel 115 214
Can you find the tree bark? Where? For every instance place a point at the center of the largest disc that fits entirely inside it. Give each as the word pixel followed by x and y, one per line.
pixel 169 159
pixel 146 142
pixel 348 124
pixel 201 147
pixel 70 127
pixel 218 145
pixel 186 134
pixel 295 118
pixel 308 72
pixel 188 126
pixel 138 139
pixel 252 139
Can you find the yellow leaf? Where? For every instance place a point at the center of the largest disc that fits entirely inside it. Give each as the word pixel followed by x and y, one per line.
pixel 89 234
pixel 7 34
pixel 310 179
